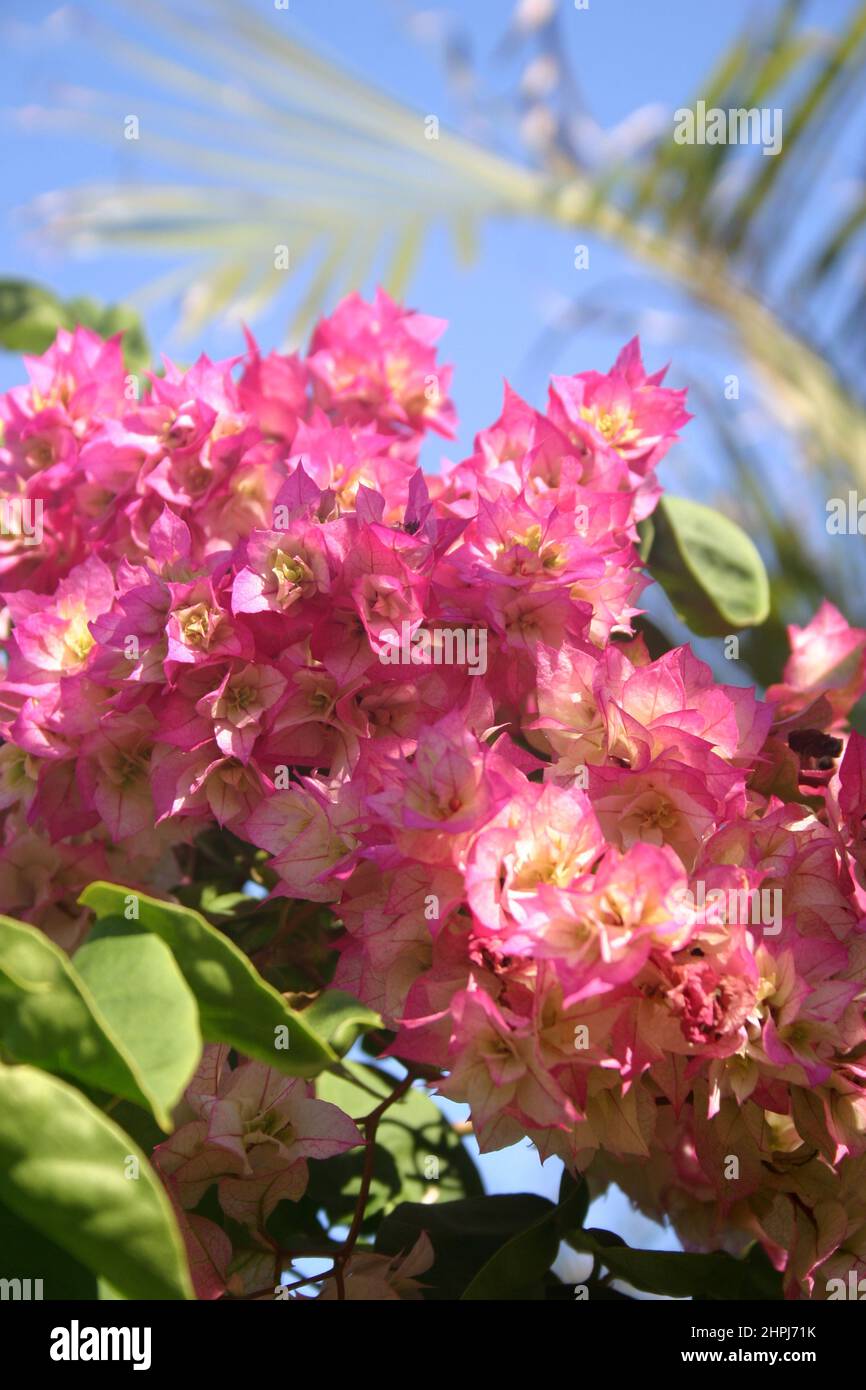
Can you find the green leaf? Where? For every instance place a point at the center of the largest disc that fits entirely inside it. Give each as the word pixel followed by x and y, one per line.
pixel 235 1004
pixel 63 1169
pixel 465 1235
pixel 49 1017
pixel 517 1269
pixel 339 1018
pixel 142 994
pixel 139 1124
pixel 217 903
pixel 29 316
pixel 708 567
pixel 26 1254
pixel 106 320
pixel 681 1275
pixel 108 1293
pixel 646 535
pixel 418 1153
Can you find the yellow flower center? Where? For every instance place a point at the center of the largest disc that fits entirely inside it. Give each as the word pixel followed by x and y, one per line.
pixel 77 638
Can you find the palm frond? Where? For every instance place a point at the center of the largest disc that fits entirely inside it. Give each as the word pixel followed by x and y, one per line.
pixel 278 145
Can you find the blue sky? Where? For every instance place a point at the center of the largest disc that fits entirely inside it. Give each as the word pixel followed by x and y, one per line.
pixel 627 53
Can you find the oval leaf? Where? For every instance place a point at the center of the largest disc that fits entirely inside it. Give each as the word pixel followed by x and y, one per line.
pixel 148 1005
pixel 49 1018
pixel 236 1005
pixel 340 1019
pixel 63 1169
pixel 683 1275
pixel 708 567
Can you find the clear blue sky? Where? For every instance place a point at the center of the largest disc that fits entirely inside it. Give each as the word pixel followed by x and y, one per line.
pixel 627 53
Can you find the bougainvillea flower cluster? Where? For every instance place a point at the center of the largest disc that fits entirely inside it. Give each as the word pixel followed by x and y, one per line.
pixel 618 904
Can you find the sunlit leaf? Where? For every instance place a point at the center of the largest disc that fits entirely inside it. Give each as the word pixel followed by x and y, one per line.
pixel 67 1170
pixel 235 1004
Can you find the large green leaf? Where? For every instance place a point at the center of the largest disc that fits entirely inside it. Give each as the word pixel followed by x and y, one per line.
pixel 517 1269
pixel 681 1275
pixel 235 1004
pixel 49 1017
pixel 465 1235
pixel 708 567
pixel 147 1003
pixel 67 1170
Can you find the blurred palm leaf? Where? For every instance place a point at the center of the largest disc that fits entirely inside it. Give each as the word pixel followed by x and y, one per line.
pixel 278 146
pixel 339 169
